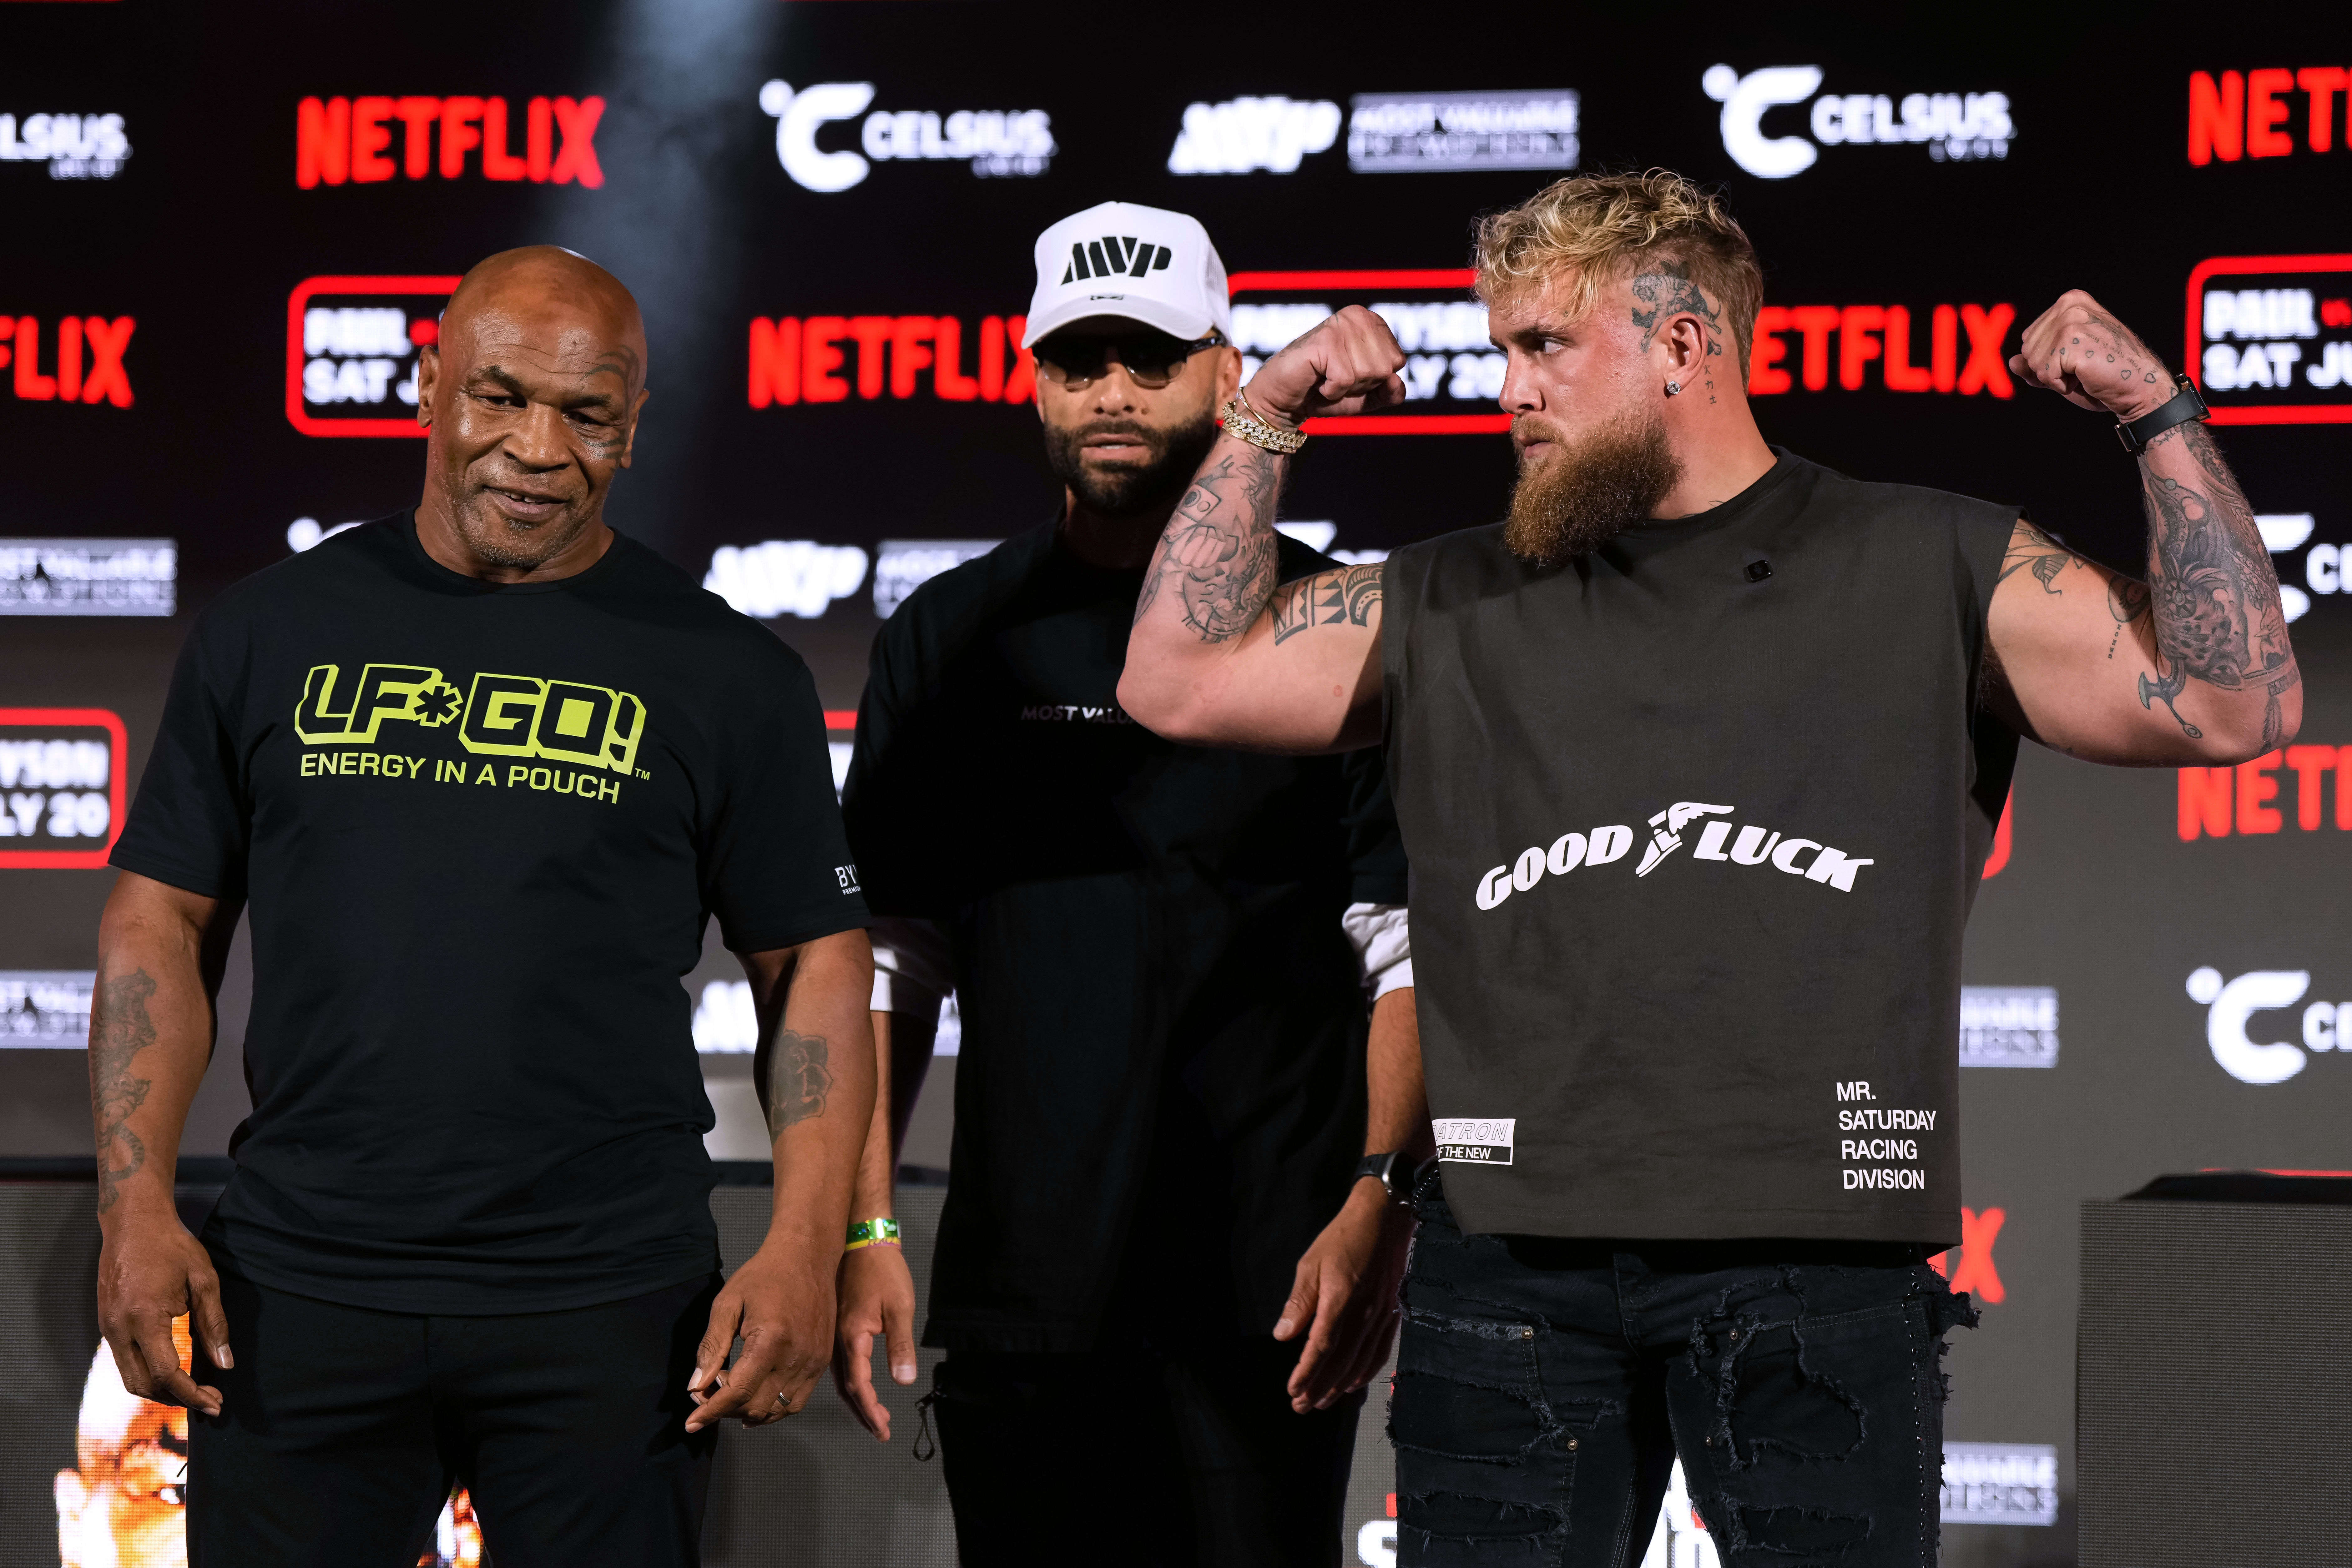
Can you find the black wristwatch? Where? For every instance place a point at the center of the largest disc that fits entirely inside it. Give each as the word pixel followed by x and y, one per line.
pixel 2185 404
pixel 1399 1174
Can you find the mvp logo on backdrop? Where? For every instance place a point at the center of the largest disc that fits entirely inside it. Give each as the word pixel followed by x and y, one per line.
pixel 352 139
pixel 2230 1007
pixel 1954 127
pixel 61 786
pixel 2270 338
pixel 351 346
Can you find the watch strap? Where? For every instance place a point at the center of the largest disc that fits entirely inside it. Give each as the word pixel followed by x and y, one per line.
pixel 1396 1170
pixel 2185 404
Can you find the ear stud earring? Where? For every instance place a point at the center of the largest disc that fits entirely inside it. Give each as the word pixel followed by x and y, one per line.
pixel 1674 388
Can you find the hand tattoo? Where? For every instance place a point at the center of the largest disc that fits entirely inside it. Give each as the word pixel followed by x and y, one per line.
pixel 120 1030
pixel 797 1088
pixel 1669 293
pixel 2213 589
pixel 1328 599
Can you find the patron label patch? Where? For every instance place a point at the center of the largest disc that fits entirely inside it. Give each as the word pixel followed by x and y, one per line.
pixel 1475 1141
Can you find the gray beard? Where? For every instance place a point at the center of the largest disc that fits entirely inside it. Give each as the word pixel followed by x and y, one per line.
pixel 1175 458
pixel 1586 495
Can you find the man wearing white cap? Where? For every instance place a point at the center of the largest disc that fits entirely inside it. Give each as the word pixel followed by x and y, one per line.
pixel 1161 1285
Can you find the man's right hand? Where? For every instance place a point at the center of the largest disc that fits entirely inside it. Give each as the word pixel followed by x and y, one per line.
pixel 1347 365
pixel 150 1272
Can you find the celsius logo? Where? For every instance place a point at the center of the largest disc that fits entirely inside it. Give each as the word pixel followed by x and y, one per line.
pixel 1604 845
pixel 1955 127
pixel 74 146
pixel 999 143
pixel 2230 1004
pixel 1247 135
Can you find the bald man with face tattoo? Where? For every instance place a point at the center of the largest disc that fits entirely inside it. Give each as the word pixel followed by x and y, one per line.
pixel 481 772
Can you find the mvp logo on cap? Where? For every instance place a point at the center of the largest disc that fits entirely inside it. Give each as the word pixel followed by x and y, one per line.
pixel 1145 264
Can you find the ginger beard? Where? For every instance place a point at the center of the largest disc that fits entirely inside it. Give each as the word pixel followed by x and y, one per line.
pixel 1591 489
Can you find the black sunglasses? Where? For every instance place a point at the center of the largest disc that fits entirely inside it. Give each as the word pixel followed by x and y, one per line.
pixel 1151 358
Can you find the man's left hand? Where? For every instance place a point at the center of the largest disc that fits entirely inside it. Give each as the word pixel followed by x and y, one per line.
pixel 779 1304
pixel 878 1299
pixel 1345 1299
pixel 2078 350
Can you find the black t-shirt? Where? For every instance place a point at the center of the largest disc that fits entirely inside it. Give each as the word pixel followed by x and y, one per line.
pixel 1160 1095
pixel 1694 824
pixel 480 829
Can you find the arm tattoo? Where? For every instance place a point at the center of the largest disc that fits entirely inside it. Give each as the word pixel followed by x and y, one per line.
pixel 1220 546
pixel 120 1030
pixel 1669 293
pixel 2029 547
pixel 797 1088
pixel 1327 599
pixel 2214 592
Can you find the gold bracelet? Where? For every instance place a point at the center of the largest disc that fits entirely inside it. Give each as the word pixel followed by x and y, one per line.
pixel 1242 423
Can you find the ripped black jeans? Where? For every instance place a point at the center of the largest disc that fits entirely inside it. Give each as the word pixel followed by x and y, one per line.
pixel 1545 1388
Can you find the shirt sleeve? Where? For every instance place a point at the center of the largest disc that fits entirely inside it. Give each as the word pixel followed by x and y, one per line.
pixel 885 803
pixel 1382 934
pixel 913 967
pixel 776 867
pixel 191 824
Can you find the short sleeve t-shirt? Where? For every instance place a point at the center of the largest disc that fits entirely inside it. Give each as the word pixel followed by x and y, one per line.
pixel 480 828
pixel 1694 821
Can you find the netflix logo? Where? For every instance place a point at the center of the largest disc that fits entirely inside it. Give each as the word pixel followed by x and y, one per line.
pixel 2248 799
pixel 1876 346
pixel 2253 114
pixel 368 140
pixel 84 355
pixel 820 358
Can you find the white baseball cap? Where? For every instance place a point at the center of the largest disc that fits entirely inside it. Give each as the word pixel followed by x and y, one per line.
pixel 1119 259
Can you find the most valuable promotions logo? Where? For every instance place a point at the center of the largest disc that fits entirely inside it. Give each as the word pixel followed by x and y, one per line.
pixel 61 787
pixel 352 348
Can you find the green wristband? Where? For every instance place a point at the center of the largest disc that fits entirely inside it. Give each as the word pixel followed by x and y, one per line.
pixel 882 1232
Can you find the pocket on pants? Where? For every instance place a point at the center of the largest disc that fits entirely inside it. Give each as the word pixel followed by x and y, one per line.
pixel 1482 1461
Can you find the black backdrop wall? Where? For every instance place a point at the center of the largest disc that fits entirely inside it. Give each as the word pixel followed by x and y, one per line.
pixel 226 224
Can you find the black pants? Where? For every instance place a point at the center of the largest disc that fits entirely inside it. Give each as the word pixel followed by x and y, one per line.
pixel 1185 1459
pixel 1544 1389
pixel 341 1430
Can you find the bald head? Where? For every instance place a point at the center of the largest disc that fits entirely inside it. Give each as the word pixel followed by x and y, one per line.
pixel 530 401
pixel 538 280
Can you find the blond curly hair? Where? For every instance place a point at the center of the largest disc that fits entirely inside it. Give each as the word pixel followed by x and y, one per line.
pixel 1589 229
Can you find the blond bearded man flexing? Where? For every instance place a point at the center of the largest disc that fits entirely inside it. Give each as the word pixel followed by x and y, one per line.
pixel 1696 759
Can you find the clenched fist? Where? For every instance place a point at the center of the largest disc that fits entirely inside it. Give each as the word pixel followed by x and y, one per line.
pixel 2079 351
pixel 1347 365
